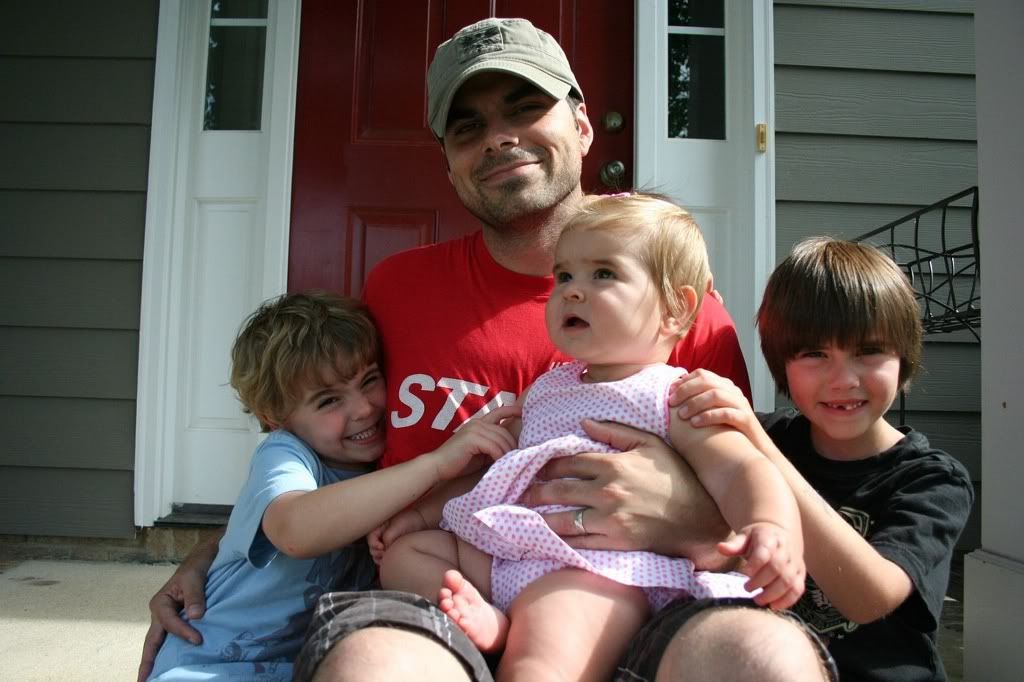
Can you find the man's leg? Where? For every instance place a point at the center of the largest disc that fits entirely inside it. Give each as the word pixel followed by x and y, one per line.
pixel 724 639
pixel 741 644
pixel 388 654
pixel 385 635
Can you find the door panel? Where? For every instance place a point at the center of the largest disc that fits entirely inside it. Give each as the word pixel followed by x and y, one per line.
pixel 368 177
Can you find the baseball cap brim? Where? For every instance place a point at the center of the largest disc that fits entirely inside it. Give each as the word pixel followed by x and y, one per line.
pixel 555 87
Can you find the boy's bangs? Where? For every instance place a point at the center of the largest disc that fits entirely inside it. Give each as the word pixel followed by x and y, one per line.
pixel 851 311
pixel 337 362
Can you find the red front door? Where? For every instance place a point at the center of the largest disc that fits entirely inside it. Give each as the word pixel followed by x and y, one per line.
pixel 368 175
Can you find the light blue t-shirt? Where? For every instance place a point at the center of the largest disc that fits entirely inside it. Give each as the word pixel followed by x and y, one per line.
pixel 258 600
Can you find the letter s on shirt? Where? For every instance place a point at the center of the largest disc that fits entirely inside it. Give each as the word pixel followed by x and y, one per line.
pixel 407 398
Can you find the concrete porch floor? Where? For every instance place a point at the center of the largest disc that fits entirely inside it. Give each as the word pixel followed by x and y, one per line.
pixel 68 619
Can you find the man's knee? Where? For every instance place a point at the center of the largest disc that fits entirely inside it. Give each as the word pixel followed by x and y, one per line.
pixel 740 643
pixel 383 654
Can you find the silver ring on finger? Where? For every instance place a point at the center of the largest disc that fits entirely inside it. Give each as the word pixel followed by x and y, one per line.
pixel 577 521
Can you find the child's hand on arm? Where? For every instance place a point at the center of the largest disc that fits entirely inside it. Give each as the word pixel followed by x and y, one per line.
pixel 707 399
pixel 481 436
pixel 773 558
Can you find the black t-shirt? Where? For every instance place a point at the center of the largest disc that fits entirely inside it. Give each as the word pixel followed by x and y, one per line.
pixel 910 503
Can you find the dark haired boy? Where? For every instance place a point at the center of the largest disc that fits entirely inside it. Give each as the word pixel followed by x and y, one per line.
pixel 881 509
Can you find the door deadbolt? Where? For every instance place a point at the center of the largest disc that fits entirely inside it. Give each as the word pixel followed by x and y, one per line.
pixel 613 174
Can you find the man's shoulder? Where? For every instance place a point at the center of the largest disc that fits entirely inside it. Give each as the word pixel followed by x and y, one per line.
pixel 427 256
pixel 712 314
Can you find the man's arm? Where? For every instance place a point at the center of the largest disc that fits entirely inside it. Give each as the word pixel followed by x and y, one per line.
pixel 643 498
pixel 186 588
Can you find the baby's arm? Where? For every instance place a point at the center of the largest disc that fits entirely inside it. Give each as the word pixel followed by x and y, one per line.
pixel 309 524
pixel 757 504
pixel 859 582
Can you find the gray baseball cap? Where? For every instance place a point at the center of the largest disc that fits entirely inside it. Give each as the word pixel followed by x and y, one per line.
pixel 512 46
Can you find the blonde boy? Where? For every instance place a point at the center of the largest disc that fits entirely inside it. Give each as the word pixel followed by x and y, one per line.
pixel 306 365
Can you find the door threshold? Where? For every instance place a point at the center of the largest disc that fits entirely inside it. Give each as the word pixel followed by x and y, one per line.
pixel 196 515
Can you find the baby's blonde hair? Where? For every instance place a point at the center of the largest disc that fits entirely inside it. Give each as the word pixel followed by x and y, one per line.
pixel 664 237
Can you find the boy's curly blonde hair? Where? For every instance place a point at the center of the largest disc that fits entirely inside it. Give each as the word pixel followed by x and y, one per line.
pixel 296 341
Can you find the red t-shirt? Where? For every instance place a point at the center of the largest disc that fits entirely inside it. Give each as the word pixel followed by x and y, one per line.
pixel 462 334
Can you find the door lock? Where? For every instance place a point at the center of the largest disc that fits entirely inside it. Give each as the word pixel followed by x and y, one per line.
pixel 613 174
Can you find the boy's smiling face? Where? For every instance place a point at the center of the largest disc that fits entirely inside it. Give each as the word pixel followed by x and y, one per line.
pixel 845 394
pixel 343 421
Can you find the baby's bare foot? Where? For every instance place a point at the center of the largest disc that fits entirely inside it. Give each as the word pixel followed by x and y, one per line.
pixel 485 625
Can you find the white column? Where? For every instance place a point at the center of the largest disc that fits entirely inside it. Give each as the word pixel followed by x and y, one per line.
pixel 994 581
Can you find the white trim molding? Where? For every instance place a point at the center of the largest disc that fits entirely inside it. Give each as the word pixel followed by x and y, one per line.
pixel 179 76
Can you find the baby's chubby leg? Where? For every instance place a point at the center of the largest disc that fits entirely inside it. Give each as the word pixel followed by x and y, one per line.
pixel 441 567
pixel 416 562
pixel 571 625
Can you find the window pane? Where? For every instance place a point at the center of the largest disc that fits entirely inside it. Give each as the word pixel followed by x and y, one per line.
pixel 696 86
pixel 706 13
pixel 239 9
pixel 234 78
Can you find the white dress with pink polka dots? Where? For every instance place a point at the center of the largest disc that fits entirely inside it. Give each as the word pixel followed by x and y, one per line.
pixel 523 546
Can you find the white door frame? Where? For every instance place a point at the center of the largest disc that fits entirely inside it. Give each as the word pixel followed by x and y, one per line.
pixel 751 247
pixel 176 123
pixel 174 127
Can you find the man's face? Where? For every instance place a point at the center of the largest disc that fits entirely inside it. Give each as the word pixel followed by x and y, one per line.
pixel 512 150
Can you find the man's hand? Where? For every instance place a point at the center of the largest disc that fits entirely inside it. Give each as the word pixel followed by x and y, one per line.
pixel 186 588
pixel 643 498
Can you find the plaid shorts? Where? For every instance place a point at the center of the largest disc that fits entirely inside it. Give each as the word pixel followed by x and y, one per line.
pixel 339 614
pixel 640 664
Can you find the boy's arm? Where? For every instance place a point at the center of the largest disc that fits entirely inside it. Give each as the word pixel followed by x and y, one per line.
pixel 859 582
pixel 307 524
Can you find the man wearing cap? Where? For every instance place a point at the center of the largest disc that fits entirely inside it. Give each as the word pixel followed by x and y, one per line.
pixel 468 316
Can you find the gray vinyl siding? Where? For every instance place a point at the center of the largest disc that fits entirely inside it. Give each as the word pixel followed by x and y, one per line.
pixel 875 117
pixel 77 79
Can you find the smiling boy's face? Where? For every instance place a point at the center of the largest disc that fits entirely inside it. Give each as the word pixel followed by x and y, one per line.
pixel 343 421
pixel 845 393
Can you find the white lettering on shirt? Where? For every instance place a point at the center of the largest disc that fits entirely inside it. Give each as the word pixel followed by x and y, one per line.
pixel 411 401
pixel 459 390
pixel 503 398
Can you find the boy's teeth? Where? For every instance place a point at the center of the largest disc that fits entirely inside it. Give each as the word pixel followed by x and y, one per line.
pixel 363 435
